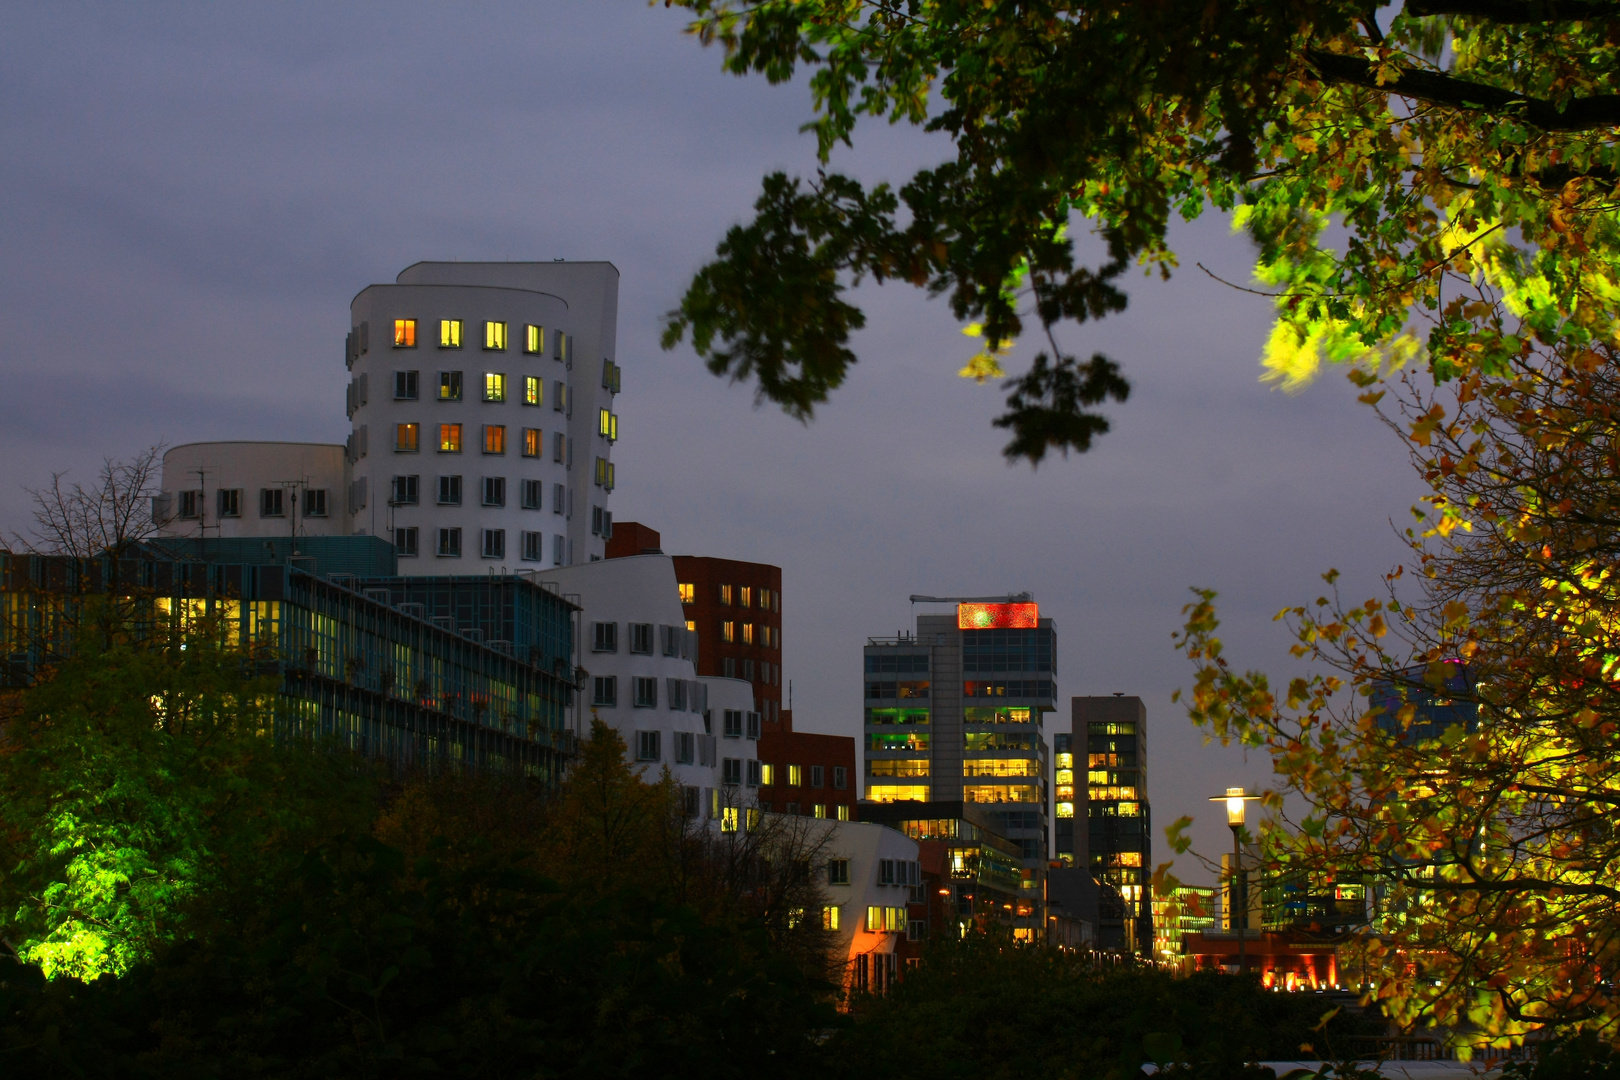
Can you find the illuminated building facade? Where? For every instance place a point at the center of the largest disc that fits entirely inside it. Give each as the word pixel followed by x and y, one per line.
pixel 954 713
pixel 1111 799
pixel 481 403
pixel 734 607
pixel 980 873
pixel 471 672
pixel 1190 909
pixel 806 773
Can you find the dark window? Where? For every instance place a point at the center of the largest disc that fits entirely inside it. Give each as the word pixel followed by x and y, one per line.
pixel 646 691
pixel 900 663
pixel 641 638
pixel 315 502
pixel 647 746
pixel 406 386
pixel 604 637
pixel 731 771
pixel 840 777
pixel 449 386
pixel 272 502
pixel 605 690
pixel 449 491
pixel 533 490
pixel 450 543
pixel 685 742
pixel 494 491
pixel 734 724
pixel 838 871
pixel 407 491
pixel 534 548
pixel 494 543
pixel 818 776
pixel 230 502
pixel 405 540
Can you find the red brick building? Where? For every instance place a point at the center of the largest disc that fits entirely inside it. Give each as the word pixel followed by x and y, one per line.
pixel 807 774
pixel 736 609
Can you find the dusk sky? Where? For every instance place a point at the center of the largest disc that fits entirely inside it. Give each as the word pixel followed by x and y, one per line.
pixel 194 193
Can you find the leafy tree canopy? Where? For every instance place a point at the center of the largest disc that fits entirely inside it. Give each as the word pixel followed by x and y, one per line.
pixel 1442 143
pixel 1459 746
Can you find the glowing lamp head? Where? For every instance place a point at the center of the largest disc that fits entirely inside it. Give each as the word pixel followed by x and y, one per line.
pixel 1235 798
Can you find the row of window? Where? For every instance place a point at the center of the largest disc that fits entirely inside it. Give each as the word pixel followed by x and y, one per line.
pixel 793 776
pixel 770 674
pixel 672 639
pixel 496 337
pixel 818 810
pixel 532 443
pixel 491 543
pixel 531 391
pixel 680 695
pixel 767 635
pixel 689 748
pixel 273 502
pixel 742 595
pixel 406 490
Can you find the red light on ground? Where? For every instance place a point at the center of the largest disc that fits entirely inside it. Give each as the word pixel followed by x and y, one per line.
pixel 997 616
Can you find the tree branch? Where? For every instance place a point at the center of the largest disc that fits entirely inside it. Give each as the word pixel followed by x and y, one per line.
pixel 1519 11
pixel 1577 114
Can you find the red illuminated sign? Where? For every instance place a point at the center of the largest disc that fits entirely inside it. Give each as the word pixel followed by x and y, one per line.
pixel 997 616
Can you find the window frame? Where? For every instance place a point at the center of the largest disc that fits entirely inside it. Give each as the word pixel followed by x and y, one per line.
pixel 534 391
pixel 534 442
pixel 450 438
pixel 404 333
pixel 494 336
pixel 407 541
pixel 407 386
pixel 450 333
pixel 492 543
pixel 494 439
pixel 495 386
pixel 534 339
pixel 408 437
pixel 492 491
pixel 449 545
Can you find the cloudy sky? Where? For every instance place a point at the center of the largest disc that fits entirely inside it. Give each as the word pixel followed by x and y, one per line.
pixel 193 193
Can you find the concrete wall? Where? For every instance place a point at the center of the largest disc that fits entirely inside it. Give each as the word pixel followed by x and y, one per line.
pixel 293 469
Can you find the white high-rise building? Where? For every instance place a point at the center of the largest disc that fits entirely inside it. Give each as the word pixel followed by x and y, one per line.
pixel 481 403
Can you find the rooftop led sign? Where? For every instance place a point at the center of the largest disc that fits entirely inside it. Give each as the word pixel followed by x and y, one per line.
pixel 997 616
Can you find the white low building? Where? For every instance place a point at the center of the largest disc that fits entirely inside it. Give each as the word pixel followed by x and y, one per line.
pixel 872 873
pixel 237 489
pixel 639 659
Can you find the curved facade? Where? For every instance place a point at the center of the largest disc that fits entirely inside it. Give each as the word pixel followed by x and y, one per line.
pixel 480 401
pixel 238 489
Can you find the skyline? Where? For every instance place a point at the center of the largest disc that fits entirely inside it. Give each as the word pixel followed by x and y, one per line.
pixel 207 192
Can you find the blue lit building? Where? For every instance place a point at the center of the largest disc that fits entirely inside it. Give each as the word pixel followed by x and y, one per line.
pixel 1440 698
pixel 425 672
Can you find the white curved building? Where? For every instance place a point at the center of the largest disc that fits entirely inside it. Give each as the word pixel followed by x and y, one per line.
pixel 236 489
pixel 639 660
pixel 481 403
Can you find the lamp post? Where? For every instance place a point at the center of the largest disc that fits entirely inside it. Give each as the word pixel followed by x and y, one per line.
pixel 1235 798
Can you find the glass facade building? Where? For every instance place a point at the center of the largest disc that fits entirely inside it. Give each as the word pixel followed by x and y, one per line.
pixel 954 713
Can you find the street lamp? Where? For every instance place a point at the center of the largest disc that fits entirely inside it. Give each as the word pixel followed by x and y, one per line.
pixel 1235 798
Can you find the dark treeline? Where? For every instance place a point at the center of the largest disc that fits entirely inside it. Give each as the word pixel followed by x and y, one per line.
pixel 182 895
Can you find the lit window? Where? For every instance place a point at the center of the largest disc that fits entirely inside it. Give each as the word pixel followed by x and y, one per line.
pixel 494 438
pixel 404 333
pixel 449 333
pixel 728 631
pixel 829 918
pixel 406 438
pixel 494 386
pixel 532 443
pixel 795 775
pixel 745 596
pixel 449 438
pixel 843 811
pixel 820 810
pixel 728 819
pixel 495 336
pixel 534 339
pixel 767 774
pixel 725 594
pixel 449 386
pixel 534 390
pixel 691 626
pixel 748 633
pixel 688 593
pixel 607 425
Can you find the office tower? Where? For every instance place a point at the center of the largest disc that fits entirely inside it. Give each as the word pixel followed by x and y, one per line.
pixel 954 711
pixel 1118 822
pixel 481 398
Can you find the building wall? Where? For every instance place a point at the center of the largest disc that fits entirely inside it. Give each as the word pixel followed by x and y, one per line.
pixel 819 760
pixel 290 471
pixel 1119 824
pixel 713 594
pixel 576 305
pixel 871 953
pixel 642 591
pixel 920 721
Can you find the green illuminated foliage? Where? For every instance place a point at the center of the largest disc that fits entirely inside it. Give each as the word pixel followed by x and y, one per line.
pixel 135 777
pixel 1443 144
pixel 1493 848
